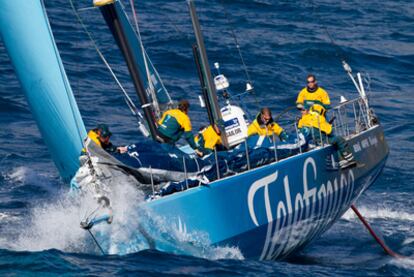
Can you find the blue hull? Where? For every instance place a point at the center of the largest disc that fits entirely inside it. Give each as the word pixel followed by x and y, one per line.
pixel 274 210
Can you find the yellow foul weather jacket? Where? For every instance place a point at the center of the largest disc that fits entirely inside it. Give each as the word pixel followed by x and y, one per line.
pixel 208 138
pixel 307 99
pixel 174 124
pixel 315 120
pixel 264 130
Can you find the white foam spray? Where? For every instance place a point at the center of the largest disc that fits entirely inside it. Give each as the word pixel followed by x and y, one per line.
pixel 55 224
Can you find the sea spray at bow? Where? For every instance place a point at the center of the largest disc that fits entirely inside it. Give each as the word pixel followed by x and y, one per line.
pixel 55 224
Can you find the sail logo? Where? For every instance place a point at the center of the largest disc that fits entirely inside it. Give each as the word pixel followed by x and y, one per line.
pixel 296 219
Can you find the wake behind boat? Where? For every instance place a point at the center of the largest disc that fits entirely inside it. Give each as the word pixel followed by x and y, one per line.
pixel 268 199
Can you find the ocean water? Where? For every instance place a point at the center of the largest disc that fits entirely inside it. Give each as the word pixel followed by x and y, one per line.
pixel 281 41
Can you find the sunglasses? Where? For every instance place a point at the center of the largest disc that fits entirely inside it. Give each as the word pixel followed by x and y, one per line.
pixel 311 82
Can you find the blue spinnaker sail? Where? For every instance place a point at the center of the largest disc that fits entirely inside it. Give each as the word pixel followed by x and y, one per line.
pixel 26 33
pixel 150 77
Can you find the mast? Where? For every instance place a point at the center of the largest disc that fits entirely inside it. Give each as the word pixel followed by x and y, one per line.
pixel 202 84
pixel 211 90
pixel 112 19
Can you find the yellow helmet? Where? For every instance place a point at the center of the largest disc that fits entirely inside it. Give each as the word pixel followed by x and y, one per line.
pixel 318 109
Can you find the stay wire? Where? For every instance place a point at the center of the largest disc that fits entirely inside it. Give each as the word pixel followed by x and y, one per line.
pixel 127 99
pixel 96 242
pixel 338 50
pixel 190 41
pixel 144 56
pixel 236 42
pixel 279 115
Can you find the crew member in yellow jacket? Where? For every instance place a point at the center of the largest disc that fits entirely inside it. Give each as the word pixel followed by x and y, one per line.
pixel 208 138
pixel 101 136
pixel 314 124
pixel 175 123
pixel 312 94
pixel 264 125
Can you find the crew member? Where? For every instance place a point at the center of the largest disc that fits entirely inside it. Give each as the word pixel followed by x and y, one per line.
pixel 175 123
pixel 314 122
pixel 208 138
pixel 264 125
pixel 101 136
pixel 312 94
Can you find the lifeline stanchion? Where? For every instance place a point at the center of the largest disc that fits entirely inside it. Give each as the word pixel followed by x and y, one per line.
pixel 334 124
pixel 313 136
pixel 152 181
pixel 346 121
pixel 297 138
pixel 274 146
pixel 247 154
pixel 340 125
pixel 217 164
pixel 185 173
pixel 320 131
pixel 364 117
pixel 371 231
pixel 355 118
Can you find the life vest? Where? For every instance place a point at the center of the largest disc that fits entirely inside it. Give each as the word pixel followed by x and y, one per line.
pixel 316 118
pixel 320 96
pixel 264 130
pixel 208 138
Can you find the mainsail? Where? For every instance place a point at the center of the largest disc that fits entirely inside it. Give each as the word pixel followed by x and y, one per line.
pixel 26 33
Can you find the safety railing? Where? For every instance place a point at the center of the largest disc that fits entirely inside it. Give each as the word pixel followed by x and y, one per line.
pixel 348 119
pixel 351 117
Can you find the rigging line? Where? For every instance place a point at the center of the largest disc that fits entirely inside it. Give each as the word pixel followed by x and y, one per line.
pixel 283 112
pixel 236 42
pixel 97 243
pixel 179 31
pixel 150 84
pixel 128 100
pixel 146 62
pixel 246 71
pixel 170 102
pixel 339 51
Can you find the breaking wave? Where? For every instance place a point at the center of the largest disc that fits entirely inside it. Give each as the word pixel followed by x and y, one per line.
pixel 56 225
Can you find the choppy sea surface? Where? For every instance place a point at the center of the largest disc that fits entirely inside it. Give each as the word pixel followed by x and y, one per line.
pixel 282 41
